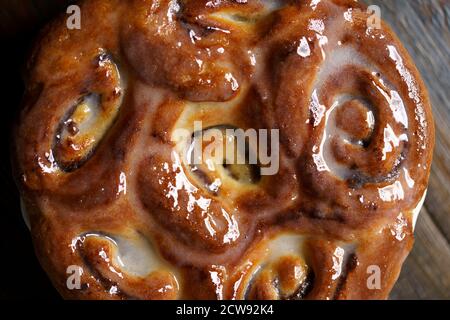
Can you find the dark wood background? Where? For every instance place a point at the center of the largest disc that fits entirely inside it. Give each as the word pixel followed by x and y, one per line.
pixel 422 25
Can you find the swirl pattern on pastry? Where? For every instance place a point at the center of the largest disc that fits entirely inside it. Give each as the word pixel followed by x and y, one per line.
pixel 107 187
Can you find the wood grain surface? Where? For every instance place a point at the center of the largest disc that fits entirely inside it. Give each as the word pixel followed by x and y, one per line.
pixel 423 27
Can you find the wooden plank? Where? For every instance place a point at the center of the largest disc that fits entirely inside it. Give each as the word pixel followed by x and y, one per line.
pixel 425 274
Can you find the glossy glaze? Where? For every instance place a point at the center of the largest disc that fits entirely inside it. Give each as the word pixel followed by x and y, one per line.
pixel 103 180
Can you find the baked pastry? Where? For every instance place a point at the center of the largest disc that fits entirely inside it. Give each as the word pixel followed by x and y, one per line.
pixel 106 187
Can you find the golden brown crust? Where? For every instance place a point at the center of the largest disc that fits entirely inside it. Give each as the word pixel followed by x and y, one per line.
pixel 107 189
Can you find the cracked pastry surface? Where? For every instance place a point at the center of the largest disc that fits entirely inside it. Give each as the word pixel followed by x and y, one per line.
pixel 106 188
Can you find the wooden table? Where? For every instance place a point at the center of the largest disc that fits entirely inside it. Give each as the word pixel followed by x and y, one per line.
pixel 422 25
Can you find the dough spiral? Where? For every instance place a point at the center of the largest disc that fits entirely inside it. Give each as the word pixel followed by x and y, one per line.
pixel 108 188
